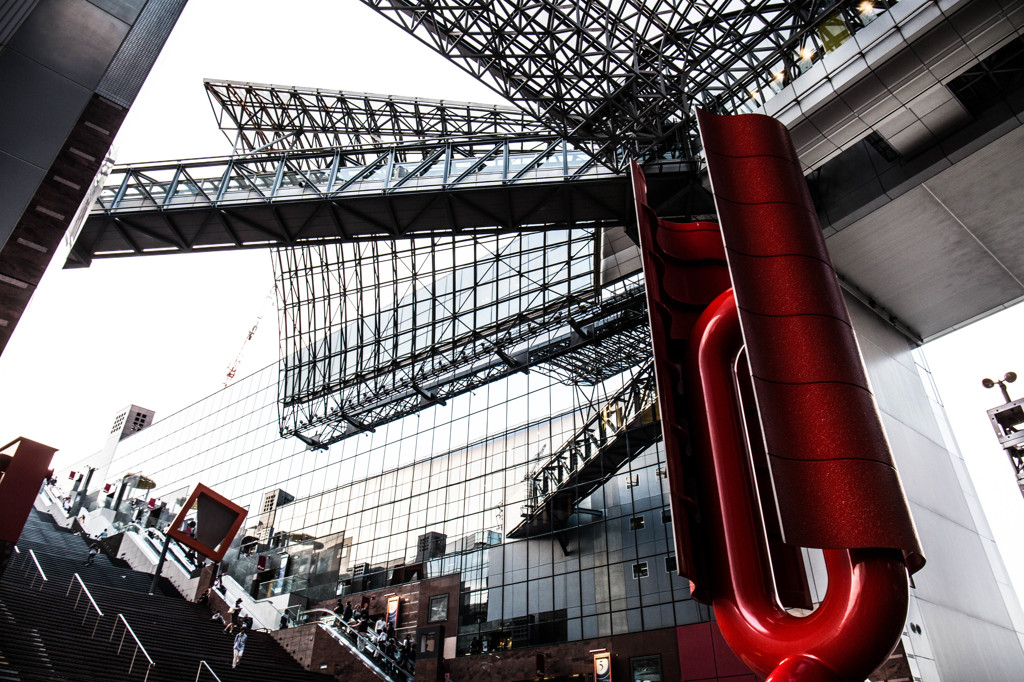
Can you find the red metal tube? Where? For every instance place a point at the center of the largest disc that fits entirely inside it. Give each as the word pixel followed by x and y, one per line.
pixel 861 617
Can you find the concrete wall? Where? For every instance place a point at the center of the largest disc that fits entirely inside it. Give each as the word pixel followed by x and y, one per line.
pixel 969 616
pixel 47 502
pixel 315 650
pixel 141 557
pixel 69 70
pixel 54 55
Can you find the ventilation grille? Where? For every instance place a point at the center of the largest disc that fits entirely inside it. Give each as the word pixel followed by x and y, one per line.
pixel 123 80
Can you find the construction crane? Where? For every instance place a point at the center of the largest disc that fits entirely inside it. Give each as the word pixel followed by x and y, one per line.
pixel 233 368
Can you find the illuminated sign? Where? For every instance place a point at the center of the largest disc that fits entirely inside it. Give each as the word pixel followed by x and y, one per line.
pixel 393 610
pixel 603 667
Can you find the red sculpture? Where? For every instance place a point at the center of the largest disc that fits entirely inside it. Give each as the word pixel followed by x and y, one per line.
pixel 766 407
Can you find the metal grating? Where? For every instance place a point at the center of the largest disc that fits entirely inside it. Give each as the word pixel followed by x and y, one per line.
pixel 126 73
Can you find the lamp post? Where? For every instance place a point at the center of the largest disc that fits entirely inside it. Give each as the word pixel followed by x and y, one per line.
pixel 1008 422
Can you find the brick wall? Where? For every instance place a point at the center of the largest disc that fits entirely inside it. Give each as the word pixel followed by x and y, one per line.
pixel 317 651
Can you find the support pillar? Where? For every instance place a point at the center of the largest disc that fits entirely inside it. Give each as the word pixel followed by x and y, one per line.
pixel 77 505
pixel 25 465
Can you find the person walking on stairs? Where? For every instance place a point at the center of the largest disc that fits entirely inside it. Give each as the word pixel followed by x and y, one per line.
pixel 94 549
pixel 239 647
pixel 234 616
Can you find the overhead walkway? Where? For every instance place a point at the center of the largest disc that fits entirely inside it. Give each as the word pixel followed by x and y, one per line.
pixel 615 434
pixel 511 183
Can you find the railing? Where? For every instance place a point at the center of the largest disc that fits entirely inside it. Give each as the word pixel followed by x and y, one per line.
pixel 324 173
pixel 363 647
pixel 154 540
pixel 201 665
pixel 49 496
pixel 260 612
pixel 635 400
pixel 278 586
pixel 83 588
pixel 138 646
pixel 38 568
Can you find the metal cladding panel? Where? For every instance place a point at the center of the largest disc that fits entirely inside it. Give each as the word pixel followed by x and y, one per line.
pixel 833 472
pixel 684 269
pixel 12 14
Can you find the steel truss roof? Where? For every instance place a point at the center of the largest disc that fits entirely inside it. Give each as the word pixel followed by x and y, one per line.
pixel 616 81
pixel 273 117
pixel 592 85
pixel 620 77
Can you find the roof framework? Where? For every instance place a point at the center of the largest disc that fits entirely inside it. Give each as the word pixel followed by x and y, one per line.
pixel 590 85
pixel 271 117
pixel 621 77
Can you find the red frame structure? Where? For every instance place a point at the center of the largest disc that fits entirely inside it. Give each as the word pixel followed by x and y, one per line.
pixel 24 465
pixel 218 504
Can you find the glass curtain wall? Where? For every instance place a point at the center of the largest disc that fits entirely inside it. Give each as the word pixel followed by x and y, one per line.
pixel 437 491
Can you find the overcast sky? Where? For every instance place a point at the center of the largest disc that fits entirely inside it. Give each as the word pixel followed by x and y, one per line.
pixel 161 331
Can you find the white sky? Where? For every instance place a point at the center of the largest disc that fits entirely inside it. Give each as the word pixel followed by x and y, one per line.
pixel 161 331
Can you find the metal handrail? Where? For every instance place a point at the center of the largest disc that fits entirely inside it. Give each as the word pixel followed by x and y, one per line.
pixel 38 568
pixel 362 644
pixel 138 645
pixel 200 669
pixel 88 594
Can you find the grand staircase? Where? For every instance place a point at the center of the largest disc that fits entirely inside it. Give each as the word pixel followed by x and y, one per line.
pixel 50 630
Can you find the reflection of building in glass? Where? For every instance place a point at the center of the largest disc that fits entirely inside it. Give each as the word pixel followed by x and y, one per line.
pixel 424 506
pixel 430 546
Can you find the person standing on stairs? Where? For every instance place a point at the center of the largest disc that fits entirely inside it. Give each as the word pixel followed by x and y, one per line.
pixel 239 647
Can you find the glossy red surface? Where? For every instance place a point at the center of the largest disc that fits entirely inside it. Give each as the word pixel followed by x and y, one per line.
pixel 218 521
pixel 835 481
pixel 825 457
pixel 861 617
